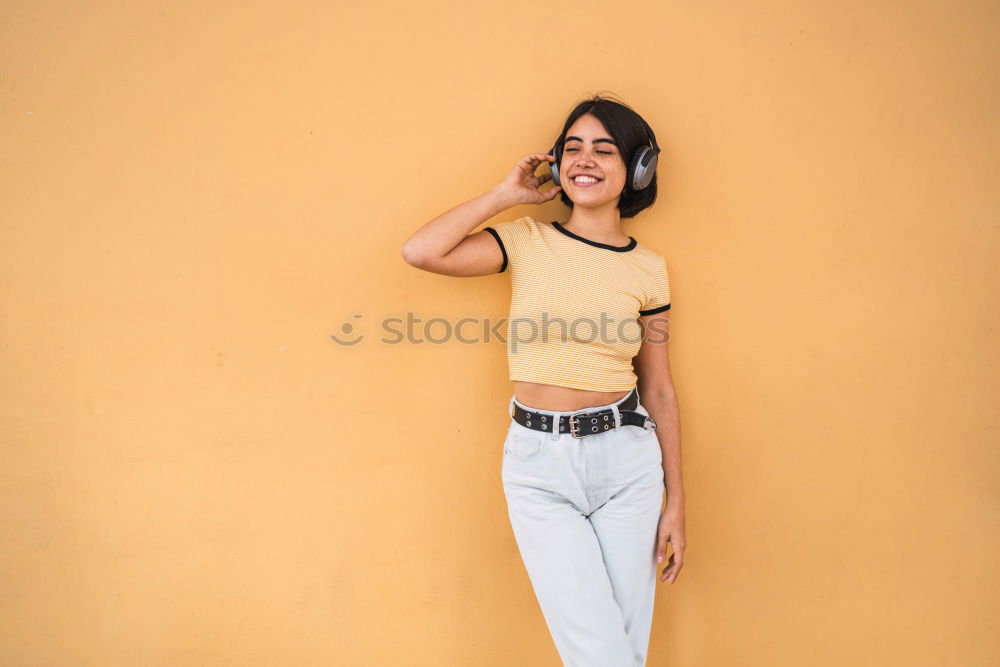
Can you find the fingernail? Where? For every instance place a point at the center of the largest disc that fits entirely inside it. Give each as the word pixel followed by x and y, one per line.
pixel 659 559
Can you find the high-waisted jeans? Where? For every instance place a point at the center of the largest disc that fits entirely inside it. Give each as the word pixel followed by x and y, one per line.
pixel 585 513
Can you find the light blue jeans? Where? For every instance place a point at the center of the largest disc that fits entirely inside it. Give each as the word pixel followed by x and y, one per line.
pixel 584 513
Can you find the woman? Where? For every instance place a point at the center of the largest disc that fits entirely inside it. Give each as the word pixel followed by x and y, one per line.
pixel 585 464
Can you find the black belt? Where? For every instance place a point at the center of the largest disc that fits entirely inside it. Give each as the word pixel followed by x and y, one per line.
pixel 583 423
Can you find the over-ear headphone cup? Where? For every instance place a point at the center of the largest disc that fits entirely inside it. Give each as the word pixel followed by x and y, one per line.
pixel 650 169
pixel 554 166
pixel 633 167
pixel 643 167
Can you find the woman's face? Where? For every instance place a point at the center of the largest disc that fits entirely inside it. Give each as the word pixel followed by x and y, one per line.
pixel 590 150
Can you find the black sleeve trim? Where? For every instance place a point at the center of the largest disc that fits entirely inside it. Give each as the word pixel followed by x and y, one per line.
pixel 653 311
pixel 503 250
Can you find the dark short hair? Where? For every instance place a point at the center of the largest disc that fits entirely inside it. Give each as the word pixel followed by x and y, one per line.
pixel 626 127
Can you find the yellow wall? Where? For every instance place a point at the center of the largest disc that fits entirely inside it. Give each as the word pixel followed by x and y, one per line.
pixel 195 196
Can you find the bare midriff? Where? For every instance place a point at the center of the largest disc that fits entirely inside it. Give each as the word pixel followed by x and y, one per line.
pixel 561 399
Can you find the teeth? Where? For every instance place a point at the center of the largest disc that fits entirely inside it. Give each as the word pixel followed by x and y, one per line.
pixel 585 179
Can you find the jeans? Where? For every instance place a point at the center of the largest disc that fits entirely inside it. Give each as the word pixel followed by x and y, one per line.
pixel 584 513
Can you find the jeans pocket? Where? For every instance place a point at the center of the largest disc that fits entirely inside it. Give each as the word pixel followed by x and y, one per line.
pixel 639 432
pixel 523 446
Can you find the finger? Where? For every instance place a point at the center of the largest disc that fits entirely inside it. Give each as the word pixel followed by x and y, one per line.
pixel 666 571
pixel 535 159
pixel 539 159
pixel 532 162
pixel 661 547
pixel 675 569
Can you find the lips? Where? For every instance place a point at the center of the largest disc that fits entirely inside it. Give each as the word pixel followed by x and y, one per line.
pixel 586 184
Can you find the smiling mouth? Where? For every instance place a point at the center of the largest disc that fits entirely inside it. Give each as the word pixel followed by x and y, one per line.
pixel 587 183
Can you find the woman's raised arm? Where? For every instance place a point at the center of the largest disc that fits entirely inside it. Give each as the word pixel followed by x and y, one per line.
pixel 444 245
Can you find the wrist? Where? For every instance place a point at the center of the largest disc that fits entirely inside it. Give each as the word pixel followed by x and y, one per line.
pixel 502 199
pixel 675 504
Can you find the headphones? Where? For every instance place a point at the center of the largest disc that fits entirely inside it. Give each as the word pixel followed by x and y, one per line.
pixel 641 168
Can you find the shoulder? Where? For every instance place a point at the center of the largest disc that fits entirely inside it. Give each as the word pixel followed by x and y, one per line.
pixel 521 230
pixel 525 222
pixel 517 237
pixel 647 255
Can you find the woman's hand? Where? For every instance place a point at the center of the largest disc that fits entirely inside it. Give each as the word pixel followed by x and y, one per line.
pixel 671 529
pixel 521 185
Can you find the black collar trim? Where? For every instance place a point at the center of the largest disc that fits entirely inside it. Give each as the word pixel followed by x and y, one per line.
pixel 623 248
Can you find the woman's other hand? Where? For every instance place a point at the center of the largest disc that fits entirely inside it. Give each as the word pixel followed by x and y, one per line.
pixel 671 529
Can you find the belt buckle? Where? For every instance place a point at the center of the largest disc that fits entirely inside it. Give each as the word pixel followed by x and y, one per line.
pixel 573 426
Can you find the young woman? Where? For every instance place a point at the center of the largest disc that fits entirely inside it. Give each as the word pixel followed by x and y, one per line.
pixel 585 464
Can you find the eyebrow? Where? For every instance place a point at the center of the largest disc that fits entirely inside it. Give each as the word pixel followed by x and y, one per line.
pixel 596 141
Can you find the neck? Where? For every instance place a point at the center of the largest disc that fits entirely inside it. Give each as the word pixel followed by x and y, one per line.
pixel 602 225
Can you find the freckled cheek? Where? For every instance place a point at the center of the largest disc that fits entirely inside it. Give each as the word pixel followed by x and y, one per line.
pixel 615 185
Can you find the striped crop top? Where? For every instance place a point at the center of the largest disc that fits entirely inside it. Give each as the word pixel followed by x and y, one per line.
pixel 575 304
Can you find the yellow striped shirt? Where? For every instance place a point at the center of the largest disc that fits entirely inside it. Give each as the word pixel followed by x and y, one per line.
pixel 575 304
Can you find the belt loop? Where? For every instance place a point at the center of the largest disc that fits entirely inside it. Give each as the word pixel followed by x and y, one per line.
pixel 556 418
pixel 618 415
